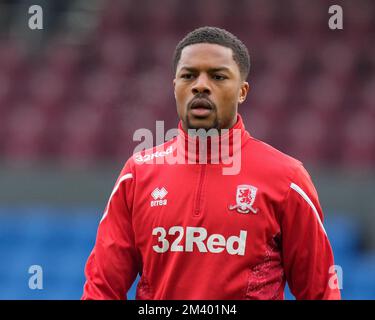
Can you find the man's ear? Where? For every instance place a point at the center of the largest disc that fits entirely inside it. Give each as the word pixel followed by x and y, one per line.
pixel 245 88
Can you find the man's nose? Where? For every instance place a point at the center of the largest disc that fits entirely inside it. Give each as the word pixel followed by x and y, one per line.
pixel 201 85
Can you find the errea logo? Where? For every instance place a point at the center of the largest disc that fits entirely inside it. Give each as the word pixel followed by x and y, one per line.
pixel 159 195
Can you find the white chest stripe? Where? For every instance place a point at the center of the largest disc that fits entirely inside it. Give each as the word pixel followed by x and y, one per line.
pixel 307 199
pixel 123 178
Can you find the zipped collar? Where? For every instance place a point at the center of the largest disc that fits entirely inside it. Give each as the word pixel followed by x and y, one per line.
pixel 212 149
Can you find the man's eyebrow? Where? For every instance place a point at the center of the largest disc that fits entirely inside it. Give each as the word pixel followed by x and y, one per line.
pixel 191 69
pixel 219 69
pixel 188 69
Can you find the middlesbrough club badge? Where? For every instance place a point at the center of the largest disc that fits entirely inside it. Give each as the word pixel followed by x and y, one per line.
pixel 245 198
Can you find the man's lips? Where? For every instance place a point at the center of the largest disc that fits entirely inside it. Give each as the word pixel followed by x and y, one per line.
pixel 201 108
pixel 200 112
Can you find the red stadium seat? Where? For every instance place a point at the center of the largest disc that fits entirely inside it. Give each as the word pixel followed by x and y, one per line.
pixel 121 71
pixel 24 134
pixel 359 141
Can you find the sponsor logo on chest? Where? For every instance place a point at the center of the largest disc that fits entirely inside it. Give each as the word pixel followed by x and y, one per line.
pixel 197 239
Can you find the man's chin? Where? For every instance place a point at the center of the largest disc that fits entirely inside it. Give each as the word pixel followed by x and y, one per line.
pixel 196 123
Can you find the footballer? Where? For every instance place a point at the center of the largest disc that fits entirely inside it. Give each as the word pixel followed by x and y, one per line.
pixel 192 232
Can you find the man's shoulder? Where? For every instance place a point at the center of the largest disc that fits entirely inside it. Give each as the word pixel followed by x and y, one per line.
pixel 271 157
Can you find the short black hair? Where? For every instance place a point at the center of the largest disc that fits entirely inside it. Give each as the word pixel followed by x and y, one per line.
pixel 216 36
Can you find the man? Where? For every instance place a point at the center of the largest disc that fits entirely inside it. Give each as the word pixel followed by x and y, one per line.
pixel 191 231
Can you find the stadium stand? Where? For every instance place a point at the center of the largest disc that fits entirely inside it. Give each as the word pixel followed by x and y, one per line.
pixel 123 66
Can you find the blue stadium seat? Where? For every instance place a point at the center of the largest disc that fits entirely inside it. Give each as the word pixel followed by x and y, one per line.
pixel 133 289
pixel 288 295
pixel 359 280
pixel 61 239
pixel 344 233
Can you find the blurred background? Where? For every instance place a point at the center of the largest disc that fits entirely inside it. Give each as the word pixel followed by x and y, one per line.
pixel 73 93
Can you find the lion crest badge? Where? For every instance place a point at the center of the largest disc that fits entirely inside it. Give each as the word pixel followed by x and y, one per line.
pixel 245 198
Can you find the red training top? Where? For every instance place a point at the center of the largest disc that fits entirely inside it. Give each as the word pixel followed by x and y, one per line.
pixel 193 231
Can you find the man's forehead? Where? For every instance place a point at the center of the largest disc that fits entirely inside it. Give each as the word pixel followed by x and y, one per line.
pixel 206 55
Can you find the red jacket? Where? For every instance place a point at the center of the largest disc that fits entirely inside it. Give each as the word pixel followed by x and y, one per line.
pixel 192 232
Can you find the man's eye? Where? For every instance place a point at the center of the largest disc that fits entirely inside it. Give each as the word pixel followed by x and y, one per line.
pixel 219 77
pixel 187 76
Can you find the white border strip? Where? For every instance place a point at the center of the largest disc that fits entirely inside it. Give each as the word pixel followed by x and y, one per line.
pixel 123 178
pixel 307 199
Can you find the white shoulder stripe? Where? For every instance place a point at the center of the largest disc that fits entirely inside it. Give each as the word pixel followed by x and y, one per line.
pixel 307 199
pixel 123 178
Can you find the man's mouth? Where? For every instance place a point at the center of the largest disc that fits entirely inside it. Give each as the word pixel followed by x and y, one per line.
pixel 201 108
